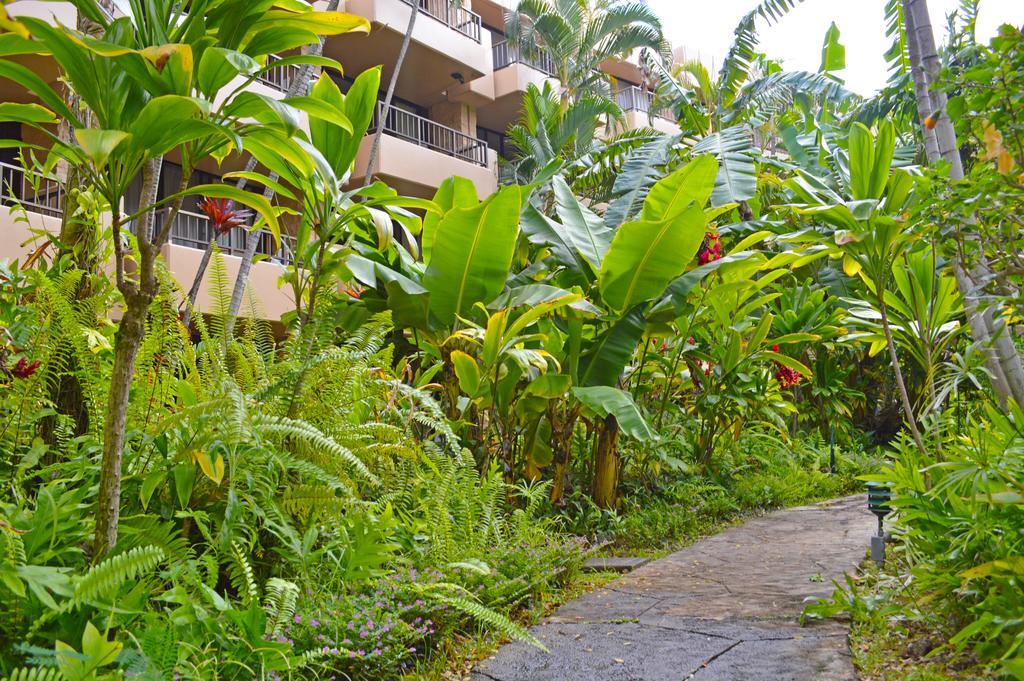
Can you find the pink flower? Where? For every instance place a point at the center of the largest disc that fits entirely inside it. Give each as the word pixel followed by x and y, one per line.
pixel 710 249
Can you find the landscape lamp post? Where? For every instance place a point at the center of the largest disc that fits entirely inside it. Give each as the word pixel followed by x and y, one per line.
pixel 879 496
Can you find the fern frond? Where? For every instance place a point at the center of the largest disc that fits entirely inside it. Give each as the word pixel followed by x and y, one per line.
pixel 301 432
pixel 458 598
pixel 279 602
pixel 241 573
pixel 35 674
pixel 106 578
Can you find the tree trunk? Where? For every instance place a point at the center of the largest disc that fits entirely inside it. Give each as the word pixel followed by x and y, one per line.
pixel 1003 360
pixel 130 334
pixel 908 409
pixel 920 80
pixel 561 445
pixel 386 108
pixel 979 327
pixel 916 13
pixel 606 464
pixel 129 338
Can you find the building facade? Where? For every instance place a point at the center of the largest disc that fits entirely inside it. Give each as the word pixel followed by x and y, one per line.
pixel 459 89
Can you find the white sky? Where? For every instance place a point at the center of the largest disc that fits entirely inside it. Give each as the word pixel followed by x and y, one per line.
pixel 705 29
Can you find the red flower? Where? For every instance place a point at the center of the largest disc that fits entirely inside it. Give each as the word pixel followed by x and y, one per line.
pixel 222 214
pixel 710 249
pixel 24 368
pixel 787 377
pixel 775 348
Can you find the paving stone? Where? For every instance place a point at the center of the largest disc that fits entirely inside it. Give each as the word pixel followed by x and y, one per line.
pixel 604 652
pixel 615 564
pixel 795 659
pixel 724 609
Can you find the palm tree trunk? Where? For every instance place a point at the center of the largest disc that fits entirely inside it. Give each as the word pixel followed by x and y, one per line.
pixel 916 12
pixel 1003 360
pixel 920 80
pixel 371 162
pixel 606 464
pixel 297 87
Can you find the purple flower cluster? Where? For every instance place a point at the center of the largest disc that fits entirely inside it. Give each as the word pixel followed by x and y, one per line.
pixel 374 633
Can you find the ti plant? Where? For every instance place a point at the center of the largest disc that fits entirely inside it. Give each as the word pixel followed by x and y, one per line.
pixel 867 228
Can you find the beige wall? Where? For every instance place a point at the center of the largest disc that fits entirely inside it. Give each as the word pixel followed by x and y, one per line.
pixel 456 116
pixel 18 230
pixel 515 78
pixel 63 12
pixel 271 300
pixel 19 237
pixel 430 33
pixel 640 119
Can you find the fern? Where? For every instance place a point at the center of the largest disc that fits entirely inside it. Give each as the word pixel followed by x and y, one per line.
pixel 281 597
pixel 160 645
pixel 35 674
pixel 310 439
pixel 105 579
pixel 242 578
pixel 458 598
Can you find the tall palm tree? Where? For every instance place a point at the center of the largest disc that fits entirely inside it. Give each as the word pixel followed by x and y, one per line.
pixel 1002 359
pixel 546 131
pixel 578 35
pixel 371 162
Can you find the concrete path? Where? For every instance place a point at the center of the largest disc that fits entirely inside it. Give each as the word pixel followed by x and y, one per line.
pixel 723 609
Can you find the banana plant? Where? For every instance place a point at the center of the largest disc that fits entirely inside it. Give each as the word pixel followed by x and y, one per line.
pixel 156 81
pixel 624 271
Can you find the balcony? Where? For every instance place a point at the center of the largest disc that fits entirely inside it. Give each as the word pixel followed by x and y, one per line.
pixel 506 55
pixel 635 98
pixel 637 104
pixel 194 230
pixel 462 20
pixel 417 154
pixel 29 204
pixel 513 74
pixel 280 78
pixel 31 191
pixel 426 133
pixel 191 233
pixel 448 45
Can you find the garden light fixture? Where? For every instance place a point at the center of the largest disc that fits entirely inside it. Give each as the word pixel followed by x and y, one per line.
pixel 879 496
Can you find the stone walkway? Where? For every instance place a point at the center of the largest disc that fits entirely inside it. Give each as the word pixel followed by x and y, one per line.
pixel 723 609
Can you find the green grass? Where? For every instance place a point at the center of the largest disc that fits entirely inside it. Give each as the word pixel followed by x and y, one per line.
pixel 885 649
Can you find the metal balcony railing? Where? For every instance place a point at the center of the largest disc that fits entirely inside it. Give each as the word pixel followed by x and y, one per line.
pixel 505 55
pixel 280 78
pixel 635 98
pixel 30 190
pixel 426 133
pixel 195 231
pixel 462 20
